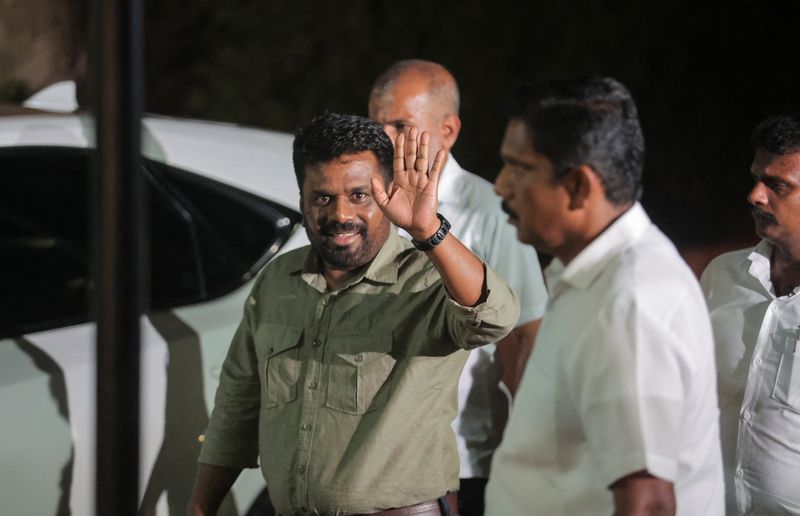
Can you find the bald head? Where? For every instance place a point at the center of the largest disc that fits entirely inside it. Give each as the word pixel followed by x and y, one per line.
pixel 416 93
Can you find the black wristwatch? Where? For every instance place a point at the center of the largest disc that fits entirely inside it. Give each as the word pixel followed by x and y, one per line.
pixel 436 239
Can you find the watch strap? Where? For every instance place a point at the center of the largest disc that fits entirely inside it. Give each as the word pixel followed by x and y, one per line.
pixel 436 239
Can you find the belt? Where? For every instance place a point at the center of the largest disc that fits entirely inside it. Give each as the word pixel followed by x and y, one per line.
pixel 430 508
pixel 421 509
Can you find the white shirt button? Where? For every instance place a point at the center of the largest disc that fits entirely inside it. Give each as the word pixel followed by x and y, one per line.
pixel 774 308
pixel 739 473
pixel 747 416
pixel 758 361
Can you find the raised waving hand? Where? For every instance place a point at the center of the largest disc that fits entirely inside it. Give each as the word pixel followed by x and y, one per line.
pixel 410 201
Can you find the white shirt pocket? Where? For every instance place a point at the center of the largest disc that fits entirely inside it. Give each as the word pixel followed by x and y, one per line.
pixel 787 381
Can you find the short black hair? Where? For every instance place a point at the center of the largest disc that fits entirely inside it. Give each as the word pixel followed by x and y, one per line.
pixel 778 134
pixel 331 136
pixel 590 121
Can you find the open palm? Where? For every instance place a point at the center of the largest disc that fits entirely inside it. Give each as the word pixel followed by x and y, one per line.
pixel 410 201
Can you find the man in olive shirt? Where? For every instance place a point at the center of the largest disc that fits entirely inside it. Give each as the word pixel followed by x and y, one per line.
pixel 342 375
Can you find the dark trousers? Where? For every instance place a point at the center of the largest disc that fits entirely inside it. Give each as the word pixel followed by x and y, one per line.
pixel 471 496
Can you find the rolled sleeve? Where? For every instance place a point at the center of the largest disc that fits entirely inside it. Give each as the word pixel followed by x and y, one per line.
pixel 231 438
pixel 488 321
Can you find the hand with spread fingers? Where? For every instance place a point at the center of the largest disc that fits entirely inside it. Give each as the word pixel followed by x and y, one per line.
pixel 410 201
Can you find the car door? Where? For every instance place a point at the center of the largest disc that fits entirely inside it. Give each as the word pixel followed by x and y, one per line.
pixel 208 240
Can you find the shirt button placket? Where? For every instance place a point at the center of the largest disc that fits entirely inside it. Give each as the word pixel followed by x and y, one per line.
pixel 310 400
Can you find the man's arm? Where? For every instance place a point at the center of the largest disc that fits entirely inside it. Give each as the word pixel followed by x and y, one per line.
pixel 410 202
pixel 513 351
pixel 211 485
pixel 642 494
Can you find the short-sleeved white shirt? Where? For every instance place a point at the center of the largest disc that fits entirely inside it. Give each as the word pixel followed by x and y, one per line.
pixel 468 201
pixel 758 362
pixel 622 379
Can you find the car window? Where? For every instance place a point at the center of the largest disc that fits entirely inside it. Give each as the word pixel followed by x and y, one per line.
pixel 207 238
pixel 43 238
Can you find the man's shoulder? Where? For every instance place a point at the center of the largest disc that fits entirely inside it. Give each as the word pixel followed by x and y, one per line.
pixel 286 263
pixel 296 257
pixel 728 277
pixel 653 273
pixel 654 257
pixel 728 262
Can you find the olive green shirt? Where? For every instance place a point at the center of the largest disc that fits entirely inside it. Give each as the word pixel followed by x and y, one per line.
pixel 347 396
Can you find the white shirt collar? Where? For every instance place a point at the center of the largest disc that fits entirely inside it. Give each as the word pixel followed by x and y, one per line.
pixel 449 180
pixel 59 97
pixel 591 261
pixel 760 267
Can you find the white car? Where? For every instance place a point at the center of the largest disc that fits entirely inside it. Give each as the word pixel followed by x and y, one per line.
pixel 223 201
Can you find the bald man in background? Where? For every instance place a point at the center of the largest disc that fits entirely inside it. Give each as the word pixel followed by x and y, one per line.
pixel 423 94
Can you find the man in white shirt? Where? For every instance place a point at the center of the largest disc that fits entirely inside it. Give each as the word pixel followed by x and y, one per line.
pixel 617 411
pixel 423 94
pixel 755 313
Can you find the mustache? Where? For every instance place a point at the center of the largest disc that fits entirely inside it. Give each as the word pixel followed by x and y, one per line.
pixel 759 213
pixel 506 208
pixel 334 228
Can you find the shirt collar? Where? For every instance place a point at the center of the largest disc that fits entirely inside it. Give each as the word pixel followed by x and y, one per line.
pixel 759 264
pixel 449 180
pixel 591 261
pixel 382 269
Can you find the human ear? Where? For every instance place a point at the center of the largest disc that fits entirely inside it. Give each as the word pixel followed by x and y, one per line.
pixel 451 127
pixel 580 183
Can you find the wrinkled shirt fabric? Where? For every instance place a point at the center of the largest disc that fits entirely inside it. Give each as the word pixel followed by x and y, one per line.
pixel 346 397
pixel 758 362
pixel 621 379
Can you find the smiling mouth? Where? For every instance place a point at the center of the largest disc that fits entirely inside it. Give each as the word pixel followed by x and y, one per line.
pixel 344 239
pixel 342 234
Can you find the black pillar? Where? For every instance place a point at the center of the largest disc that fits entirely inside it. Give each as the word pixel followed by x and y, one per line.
pixel 120 277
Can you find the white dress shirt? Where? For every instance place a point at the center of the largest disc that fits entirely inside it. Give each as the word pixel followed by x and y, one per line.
pixel 621 380
pixel 758 361
pixel 468 201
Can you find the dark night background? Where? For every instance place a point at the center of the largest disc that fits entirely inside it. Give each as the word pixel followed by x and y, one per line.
pixel 703 73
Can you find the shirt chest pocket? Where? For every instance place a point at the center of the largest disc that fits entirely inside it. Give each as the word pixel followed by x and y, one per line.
pixel 279 346
pixel 359 367
pixel 787 381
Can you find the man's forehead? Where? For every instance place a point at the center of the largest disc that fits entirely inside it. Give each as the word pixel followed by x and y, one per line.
pixel 349 168
pixel 517 136
pixel 409 93
pixel 402 109
pixel 767 163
